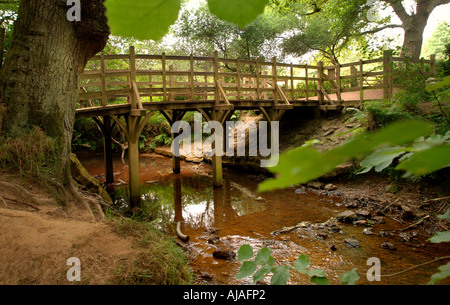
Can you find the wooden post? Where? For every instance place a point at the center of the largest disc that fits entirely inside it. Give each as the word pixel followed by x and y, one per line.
pixel 171 84
pixel 238 79
pixel 264 85
pixel 164 79
pixel 306 83
pixel 103 80
pixel 217 158
pixel 361 83
pixel 338 82
pixel 292 81
pixel 191 76
pixel 216 76
pixel 320 82
pixel 274 80
pixel 433 65
pixel 133 161
pixel 132 76
pixel 258 92
pixel 107 148
pixel 387 74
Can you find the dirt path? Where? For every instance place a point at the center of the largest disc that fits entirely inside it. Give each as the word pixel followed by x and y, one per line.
pixel 34 249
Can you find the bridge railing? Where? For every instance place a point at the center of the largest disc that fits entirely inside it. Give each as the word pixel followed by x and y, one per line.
pixel 109 79
pixel 139 78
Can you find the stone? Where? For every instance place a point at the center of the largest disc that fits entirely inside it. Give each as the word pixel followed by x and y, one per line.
pixel 408 213
pixel 315 185
pixel 365 214
pixel 347 216
pixel 387 245
pixel 385 234
pixel 367 231
pixel 351 205
pixel 224 253
pixel 322 235
pixel 360 223
pixel 378 219
pixel 330 187
pixel 300 190
pixel 351 243
pixel 213 239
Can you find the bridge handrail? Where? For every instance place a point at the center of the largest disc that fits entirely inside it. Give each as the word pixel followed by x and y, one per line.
pixel 201 78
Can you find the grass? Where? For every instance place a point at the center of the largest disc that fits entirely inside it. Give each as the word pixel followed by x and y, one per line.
pixel 159 260
pixel 33 156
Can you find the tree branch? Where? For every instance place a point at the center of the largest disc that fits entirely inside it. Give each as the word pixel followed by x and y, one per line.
pixel 389 26
pixel 399 10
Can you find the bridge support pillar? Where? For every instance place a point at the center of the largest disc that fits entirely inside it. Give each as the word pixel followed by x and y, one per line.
pixel 176 160
pixel 133 162
pixel 107 149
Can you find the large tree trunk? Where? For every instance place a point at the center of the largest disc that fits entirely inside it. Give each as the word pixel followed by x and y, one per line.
pixel 413 37
pixel 38 81
pixel 414 24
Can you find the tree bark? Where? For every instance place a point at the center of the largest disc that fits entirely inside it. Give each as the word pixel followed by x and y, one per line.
pixel 414 24
pixel 38 80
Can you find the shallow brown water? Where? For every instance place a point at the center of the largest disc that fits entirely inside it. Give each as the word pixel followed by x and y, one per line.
pixel 242 216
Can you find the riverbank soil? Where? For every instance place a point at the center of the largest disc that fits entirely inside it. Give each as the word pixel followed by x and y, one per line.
pixel 38 237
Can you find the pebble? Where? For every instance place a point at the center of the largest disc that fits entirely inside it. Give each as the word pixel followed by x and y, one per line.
pixel 387 245
pixel 351 243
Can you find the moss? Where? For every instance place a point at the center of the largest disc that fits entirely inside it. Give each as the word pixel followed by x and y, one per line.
pixel 82 176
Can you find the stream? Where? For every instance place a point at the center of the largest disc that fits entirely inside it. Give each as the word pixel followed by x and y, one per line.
pixel 224 219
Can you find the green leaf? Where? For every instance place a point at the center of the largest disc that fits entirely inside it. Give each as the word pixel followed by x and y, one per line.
pixel 302 263
pixel 237 11
pixel 264 257
pixel 320 280
pixel 247 269
pixel 261 273
pixel 245 252
pixel 427 161
pixel 280 275
pixel 350 277
pixel 440 237
pixel 381 158
pixel 142 19
pixel 437 277
pixel 304 164
pixel 317 273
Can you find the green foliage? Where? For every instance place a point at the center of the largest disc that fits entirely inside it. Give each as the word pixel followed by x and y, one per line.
pixel 237 11
pixel 304 164
pixel 142 19
pixel 281 273
pixel 440 237
pixel 422 157
pixel 437 41
pixel 202 32
pixel 437 277
pixel 151 19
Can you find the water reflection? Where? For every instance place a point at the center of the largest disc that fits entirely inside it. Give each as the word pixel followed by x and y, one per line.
pixel 193 201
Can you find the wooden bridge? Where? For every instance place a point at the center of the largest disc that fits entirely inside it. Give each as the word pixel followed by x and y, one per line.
pixel 136 86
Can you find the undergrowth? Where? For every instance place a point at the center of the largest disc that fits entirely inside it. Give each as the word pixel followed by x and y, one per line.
pixel 33 156
pixel 159 260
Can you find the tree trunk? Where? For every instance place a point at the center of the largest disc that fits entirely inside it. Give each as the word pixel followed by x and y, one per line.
pixel 38 81
pixel 413 37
